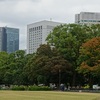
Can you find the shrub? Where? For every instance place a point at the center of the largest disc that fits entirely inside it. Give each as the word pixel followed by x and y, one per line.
pixel 86 86
pixel 30 88
pixel 16 87
pixel 39 88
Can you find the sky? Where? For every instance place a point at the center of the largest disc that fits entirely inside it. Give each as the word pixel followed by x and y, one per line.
pixel 20 13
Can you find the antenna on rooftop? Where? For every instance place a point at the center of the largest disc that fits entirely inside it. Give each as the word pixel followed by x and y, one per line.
pixel 50 19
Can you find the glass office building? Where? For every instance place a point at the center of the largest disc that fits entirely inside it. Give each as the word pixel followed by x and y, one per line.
pixel 3 40
pixel 9 39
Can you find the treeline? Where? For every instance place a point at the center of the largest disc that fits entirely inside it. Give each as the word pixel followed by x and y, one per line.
pixel 71 56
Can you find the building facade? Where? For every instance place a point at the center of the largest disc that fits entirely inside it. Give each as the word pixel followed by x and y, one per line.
pixel 9 39
pixel 37 34
pixel 87 18
pixel 3 40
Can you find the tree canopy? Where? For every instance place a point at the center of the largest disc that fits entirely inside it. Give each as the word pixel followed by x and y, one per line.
pixel 71 56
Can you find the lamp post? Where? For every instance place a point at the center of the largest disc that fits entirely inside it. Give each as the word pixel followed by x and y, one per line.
pixel 59 78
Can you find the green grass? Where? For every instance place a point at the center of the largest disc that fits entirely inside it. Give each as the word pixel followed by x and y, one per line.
pixel 47 95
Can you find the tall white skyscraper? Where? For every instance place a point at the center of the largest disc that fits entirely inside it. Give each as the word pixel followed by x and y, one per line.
pixel 87 18
pixel 37 34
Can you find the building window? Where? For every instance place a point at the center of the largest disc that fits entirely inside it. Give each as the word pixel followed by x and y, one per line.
pixel 33 29
pixel 41 27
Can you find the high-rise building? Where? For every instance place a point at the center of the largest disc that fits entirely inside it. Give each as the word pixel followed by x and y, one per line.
pixel 9 39
pixel 87 18
pixel 37 34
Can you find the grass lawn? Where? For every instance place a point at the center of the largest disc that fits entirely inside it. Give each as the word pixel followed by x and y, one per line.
pixel 47 95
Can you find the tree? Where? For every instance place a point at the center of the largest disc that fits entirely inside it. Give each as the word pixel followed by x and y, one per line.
pixel 68 40
pixel 34 67
pixel 59 68
pixel 17 67
pixel 11 67
pixel 90 59
pixel 46 64
pixel 3 65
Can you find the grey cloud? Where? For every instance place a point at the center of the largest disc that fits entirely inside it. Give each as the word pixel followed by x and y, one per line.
pixel 35 0
pixel 19 13
pixel 3 0
pixel 19 0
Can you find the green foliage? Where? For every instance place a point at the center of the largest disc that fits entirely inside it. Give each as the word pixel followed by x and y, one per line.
pixel 39 88
pixel 60 56
pixel 90 59
pixel 45 64
pixel 41 79
pixel 68 39
pixel 12 67
pixel 30 88
pixel 16 87
pixel 86 86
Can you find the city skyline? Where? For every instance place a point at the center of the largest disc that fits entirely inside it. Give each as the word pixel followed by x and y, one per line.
pixel 20 13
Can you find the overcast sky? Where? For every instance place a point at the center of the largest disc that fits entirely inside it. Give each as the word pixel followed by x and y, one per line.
pixel 19 13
